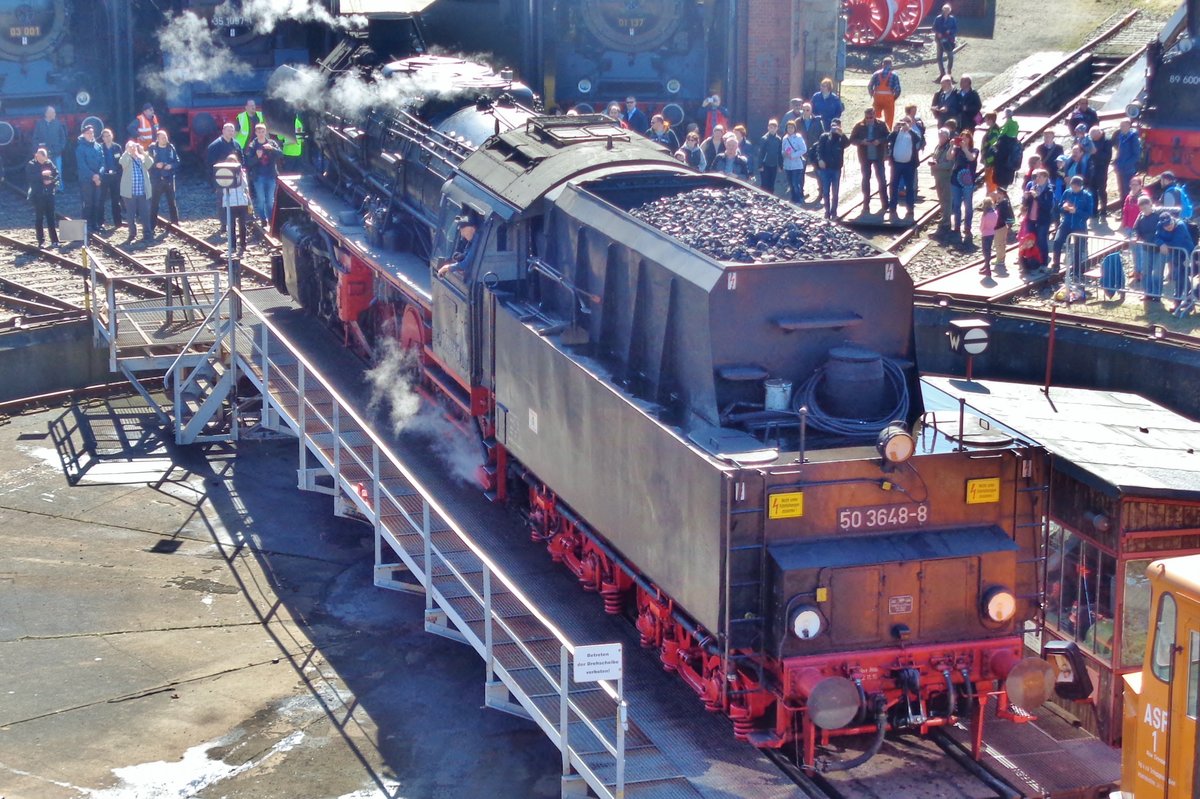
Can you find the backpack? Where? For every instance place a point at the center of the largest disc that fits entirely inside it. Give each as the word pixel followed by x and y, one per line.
pixel 1185 202
pixel 1014 156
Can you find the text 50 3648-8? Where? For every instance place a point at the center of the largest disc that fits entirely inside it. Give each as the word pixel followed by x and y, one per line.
pixel 884 517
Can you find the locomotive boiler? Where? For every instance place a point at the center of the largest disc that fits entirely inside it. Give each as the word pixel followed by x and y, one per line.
pixel 705 402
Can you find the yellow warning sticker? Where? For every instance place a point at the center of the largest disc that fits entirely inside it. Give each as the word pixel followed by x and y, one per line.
pixel 786 506
pixel 983 490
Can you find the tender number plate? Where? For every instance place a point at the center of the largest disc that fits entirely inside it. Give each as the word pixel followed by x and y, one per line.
pixel 884 517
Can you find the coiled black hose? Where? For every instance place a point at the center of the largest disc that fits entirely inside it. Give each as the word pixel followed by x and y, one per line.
pixel 806 397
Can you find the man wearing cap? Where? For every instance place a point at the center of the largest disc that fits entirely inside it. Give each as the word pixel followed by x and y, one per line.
pixel 1075 209
pixel 884 88
pixel 89 166
pixel 1174 196
pixel 460 259
pixel 795 106
pixel 145 126
pixel 1175 245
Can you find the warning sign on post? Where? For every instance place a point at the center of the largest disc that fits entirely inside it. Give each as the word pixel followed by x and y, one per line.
pixel 597 662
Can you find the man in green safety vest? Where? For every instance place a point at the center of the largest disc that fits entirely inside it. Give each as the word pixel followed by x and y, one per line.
pixel 246 122
pixel 292 150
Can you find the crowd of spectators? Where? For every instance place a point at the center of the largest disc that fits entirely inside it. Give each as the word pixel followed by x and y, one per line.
pixel 983 178
pixel 132 181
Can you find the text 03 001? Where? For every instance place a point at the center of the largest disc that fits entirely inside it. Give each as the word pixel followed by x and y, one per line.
pixel 911 514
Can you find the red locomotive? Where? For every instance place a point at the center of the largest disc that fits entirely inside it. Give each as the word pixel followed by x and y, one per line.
pixel 724 435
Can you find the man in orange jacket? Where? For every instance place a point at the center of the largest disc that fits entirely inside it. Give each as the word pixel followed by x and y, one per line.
pixel 145 126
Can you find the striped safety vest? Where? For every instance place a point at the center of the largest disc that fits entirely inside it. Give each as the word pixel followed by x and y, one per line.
pixel 147 127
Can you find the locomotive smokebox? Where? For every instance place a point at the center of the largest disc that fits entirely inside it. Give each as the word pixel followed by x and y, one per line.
pixel 854 385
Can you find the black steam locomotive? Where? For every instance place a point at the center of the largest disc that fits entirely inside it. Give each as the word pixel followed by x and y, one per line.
pixel 705 402
pixel 664 52
pixel 43 62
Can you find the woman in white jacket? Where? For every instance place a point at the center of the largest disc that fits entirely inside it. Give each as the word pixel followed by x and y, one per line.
pixel 794 150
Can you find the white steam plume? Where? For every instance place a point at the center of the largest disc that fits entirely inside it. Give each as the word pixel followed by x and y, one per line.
pixel 190 53
pixel 351 94
pixel 264 15
pixel 393 393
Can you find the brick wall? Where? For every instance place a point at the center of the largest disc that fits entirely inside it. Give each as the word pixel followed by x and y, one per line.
pixel 785 48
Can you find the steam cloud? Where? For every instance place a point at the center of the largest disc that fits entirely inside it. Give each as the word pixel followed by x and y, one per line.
pixel 264 15
pixel 193 52
pixel 190 53
pixel 393 394
pixel 351 94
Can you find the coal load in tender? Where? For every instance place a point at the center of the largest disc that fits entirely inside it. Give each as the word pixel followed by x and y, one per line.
pixel 749 226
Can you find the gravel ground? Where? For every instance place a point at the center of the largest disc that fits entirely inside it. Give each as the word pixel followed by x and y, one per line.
pixel 197 210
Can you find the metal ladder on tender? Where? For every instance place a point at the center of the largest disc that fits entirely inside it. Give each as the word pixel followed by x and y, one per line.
pixel 748 630
pixel 1038 516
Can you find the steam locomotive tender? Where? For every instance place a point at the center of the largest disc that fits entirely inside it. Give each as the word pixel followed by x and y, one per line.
pixel 829 561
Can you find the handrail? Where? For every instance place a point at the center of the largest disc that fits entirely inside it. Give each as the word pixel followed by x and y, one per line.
pixel 186 349
pixel 412 479
pixel 350 434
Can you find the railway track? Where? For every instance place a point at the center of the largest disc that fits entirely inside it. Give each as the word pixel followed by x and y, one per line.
pixel 216 253
pixel 42 276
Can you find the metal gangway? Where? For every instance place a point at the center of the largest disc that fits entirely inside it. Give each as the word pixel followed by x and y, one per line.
pixel 419 548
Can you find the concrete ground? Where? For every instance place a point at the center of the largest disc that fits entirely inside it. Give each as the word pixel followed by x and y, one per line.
pixel 182 624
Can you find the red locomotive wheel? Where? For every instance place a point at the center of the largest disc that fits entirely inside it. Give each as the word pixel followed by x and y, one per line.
pixel 908 17
pixel 868 21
